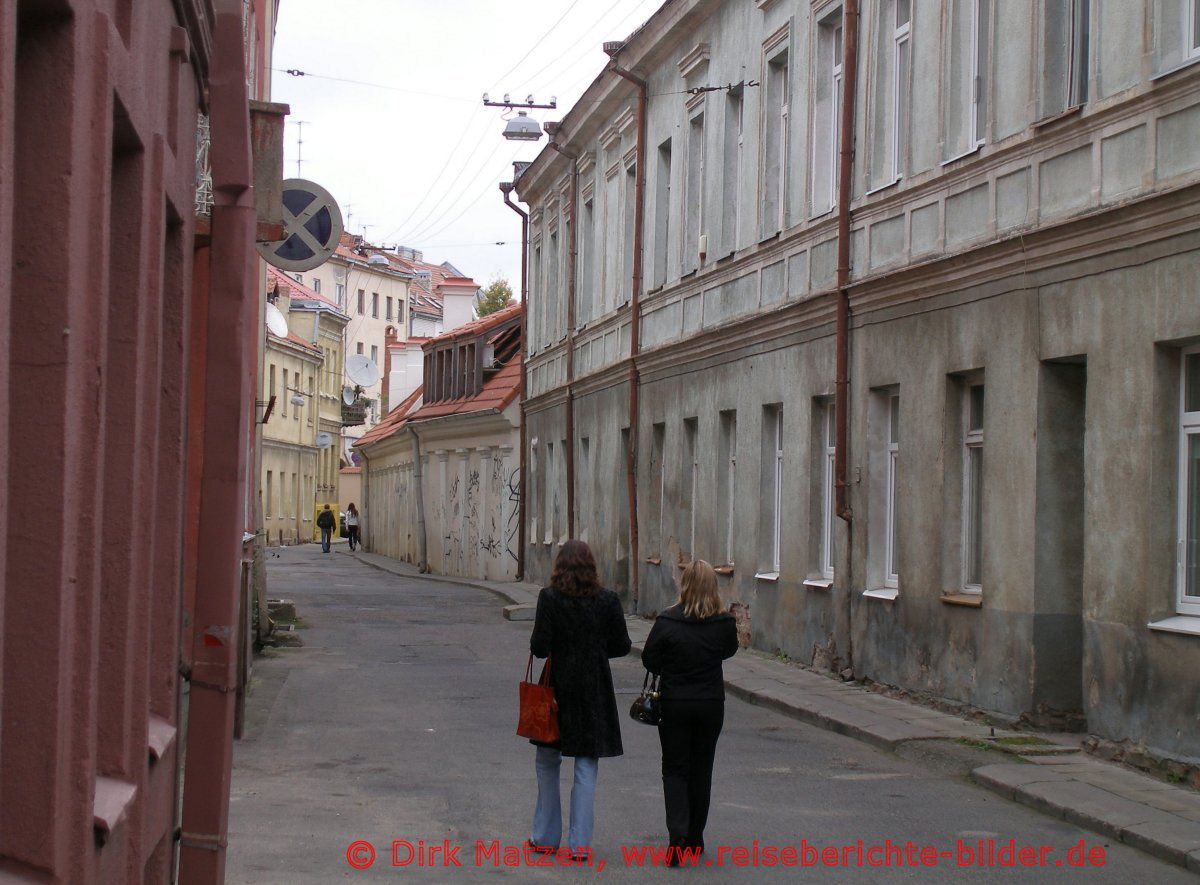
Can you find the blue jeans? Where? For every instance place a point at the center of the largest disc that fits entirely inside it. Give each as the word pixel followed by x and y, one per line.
pixel 547 816
pixel 325 535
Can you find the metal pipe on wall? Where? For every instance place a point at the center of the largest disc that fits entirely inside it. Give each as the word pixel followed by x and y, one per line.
pixel 572 272
pixel 635 295
pixel 845 194
pixel 418 489
pixel 506 188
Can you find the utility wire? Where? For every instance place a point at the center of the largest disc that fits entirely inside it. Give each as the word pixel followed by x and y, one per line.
pixel 295 72
pixel 587 35
pixel 425 231
pixel 537 43
pixel 471 205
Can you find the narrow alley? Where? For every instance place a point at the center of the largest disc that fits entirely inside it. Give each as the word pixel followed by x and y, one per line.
pixel 395 721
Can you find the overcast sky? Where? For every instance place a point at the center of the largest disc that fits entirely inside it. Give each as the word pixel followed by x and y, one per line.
pixel 416 159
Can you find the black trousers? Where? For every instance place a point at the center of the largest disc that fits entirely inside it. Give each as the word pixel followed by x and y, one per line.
pixel 688 732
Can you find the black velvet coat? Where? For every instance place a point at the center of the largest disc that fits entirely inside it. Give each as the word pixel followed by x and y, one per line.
pixel 580 634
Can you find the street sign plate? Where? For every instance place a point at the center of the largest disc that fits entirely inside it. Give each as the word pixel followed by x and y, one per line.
pixel 312 225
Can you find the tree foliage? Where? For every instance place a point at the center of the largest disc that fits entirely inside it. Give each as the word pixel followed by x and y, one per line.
pixel 495 297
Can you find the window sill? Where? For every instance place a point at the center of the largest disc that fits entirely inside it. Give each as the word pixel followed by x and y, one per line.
pixel 725 570
pixel 682 564
pixel 1189 624
pixel 819 583
pixel 963 155
pixel 654 560
pixel 772 577
pixel 888 594
pixel 110 805
pixel 883 187
pixel 771 237
pixel 970 600
pixel 1056 118
pixel 1186 63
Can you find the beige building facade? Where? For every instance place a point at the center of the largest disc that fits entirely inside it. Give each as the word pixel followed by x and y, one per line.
pixel 302 371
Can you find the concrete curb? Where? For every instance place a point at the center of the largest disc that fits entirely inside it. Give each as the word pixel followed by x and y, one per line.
pixel 1090 800
pixel 513 594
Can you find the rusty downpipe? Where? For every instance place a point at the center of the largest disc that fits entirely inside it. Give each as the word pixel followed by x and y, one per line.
pixel 635 319
pixel 845 193
pixel 845 180
pixel 553 130
pixel 506 188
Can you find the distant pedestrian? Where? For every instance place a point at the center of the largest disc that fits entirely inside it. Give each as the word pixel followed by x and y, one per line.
pixel 686 646
pixel 326 523
pixel 352 525
pixel 579 625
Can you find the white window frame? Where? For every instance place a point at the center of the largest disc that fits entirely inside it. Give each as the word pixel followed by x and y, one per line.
pixel 980 10
pixel 267 502
pixel 1191 34
pixel 339 292
pixel 891 566
pixel 1189 426
pixel 551 490
pixel 901 38
pixel 835 101
pixel 692 430
pixel 1078 73
pixel 777 503
pixel 972 441
pixel 730 487
pixel 829 453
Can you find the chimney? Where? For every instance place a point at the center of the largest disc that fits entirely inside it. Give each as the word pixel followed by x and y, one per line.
pixel 458 302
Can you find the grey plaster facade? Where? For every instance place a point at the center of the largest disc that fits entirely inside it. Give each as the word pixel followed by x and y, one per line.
pixel 1026 273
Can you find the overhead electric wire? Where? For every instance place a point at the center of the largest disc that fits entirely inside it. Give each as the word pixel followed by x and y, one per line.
pixel 483 193
pixel 426 230
pixel 537 43
pixel 296 72
pixel 586 35
pixel 438 178
pixel 447 204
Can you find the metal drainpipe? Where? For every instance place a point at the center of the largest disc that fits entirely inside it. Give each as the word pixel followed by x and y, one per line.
pixel 635 323
pixel 365 482
pixel 841 403
pixel 572 272
pixel 422 551
pixel 506 188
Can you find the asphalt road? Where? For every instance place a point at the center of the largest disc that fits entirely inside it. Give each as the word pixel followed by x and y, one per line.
pixel 395 722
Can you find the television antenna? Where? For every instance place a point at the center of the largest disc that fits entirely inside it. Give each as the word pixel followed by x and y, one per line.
pixel 362 370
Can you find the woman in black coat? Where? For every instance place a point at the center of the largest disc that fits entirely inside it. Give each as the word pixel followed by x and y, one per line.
pixel 579 625
pixel 686 646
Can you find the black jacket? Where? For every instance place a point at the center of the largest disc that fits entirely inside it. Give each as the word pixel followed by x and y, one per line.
pixel 325 519
pixel 687 654
pixel 581 633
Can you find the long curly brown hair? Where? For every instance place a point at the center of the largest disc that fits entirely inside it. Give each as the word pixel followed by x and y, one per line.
pixel 575 570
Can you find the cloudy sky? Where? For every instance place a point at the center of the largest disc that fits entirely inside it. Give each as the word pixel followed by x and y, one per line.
pixel 414 158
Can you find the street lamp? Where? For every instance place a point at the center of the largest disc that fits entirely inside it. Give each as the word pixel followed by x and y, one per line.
pixel 522 128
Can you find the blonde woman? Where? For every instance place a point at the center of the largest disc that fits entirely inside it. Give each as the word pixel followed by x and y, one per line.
pixel 685 648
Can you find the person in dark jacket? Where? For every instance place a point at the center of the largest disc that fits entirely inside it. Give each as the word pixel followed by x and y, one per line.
pixel 685 648
pixel 579 625
pixel 326 522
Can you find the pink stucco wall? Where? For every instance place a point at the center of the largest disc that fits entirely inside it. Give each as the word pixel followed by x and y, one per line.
pixel 112 458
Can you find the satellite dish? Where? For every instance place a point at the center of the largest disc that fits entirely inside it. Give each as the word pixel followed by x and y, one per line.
pixel 361 370
pixel 349 395
pixel 324 440
pixel 276 322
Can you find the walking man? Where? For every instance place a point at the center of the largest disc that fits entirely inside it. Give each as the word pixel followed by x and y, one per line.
pixel 326 522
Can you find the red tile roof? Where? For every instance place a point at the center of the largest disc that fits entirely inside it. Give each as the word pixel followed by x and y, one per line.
pixel 477 327
pixel 498 391
pixel 278 280
pixel 392 422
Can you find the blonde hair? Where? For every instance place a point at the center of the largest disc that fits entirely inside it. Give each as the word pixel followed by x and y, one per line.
pixel 698 591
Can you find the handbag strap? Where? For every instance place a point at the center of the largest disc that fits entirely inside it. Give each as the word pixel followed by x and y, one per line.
pixel 650 682
pixel 545 680
pixel 529 669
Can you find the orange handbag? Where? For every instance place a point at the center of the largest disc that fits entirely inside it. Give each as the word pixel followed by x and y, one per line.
pixel 539 709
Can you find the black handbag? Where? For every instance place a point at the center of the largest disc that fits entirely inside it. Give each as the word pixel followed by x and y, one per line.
pixel 646 708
